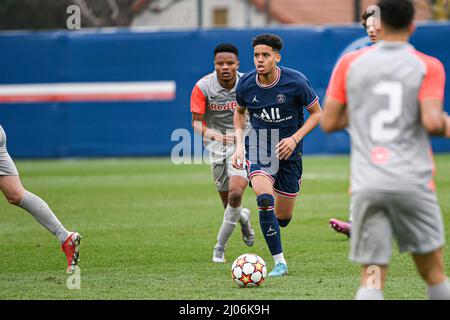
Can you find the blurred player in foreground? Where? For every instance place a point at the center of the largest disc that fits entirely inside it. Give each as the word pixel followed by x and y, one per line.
pixel 372 26
pixel 213 101
pixel 274 97
pixel 15 193
pixel 391 96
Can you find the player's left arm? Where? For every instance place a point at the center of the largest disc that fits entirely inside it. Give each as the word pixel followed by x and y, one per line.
pixel 431 98
pixel 287 146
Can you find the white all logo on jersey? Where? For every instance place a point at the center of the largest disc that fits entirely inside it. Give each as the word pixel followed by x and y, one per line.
pixel 274 114
pixel 254 99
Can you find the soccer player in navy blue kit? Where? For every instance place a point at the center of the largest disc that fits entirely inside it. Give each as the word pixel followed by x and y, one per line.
pixel 274 97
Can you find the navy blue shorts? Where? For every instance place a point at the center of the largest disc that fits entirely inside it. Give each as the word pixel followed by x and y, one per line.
pixel 286 181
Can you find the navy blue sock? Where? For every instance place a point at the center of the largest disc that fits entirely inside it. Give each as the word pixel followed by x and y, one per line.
pixel 269 223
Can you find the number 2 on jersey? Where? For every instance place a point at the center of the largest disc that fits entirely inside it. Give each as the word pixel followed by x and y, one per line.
pixel 379 132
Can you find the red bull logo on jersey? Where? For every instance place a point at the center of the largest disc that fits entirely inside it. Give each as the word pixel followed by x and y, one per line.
pixel 229 106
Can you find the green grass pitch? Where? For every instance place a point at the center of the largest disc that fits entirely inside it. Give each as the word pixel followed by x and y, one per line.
pixel 149 228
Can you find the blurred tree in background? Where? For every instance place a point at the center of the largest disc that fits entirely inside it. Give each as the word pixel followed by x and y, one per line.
pixel 441 9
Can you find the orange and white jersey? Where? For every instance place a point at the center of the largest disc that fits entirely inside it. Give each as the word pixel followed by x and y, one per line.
pixel 214 102
pixel 217 106
pixel 382 87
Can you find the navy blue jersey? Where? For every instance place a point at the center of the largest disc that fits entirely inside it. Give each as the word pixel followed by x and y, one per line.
pixel 276 110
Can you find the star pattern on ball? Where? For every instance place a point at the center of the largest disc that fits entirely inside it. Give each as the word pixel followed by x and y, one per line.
pixel 241 262
pixel 246 279
pixel 258 266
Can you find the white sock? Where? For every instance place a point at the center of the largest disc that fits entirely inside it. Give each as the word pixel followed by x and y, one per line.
pixel 365 293
pixel 44 215
pixel 279 258
pixel 439 291
pixel 243 218
pixel 230 218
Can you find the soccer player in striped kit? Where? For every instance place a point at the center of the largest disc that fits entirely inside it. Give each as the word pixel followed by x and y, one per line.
pixel 16 194
pixel 213 101
pixel 391 97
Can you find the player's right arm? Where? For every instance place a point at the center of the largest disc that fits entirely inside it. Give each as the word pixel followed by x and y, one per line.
pixel 200 127
pixel 239 120
pixel 198 109
pixel 431 99
pixel 335 115
pixel 239 127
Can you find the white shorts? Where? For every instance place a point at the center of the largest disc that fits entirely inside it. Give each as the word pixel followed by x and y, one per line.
pixel 413 219
pixel 222 171
pixel 7 167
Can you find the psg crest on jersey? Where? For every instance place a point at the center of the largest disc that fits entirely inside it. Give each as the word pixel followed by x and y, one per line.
pixel 281 98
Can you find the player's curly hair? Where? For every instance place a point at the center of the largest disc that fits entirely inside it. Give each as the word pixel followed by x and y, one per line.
pixel 226 47
pixel 271 40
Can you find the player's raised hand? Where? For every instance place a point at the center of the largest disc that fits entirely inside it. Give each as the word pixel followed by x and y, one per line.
pixel 237 159
pixel 285 148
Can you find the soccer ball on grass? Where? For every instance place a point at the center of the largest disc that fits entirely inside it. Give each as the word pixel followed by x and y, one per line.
pixel 248 270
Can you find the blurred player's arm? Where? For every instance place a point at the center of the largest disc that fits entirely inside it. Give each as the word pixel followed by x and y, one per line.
pixel 431 97
pixel 287 146
pixel 447 125
pixel 239 127
pixel 198 109
pixel 335 115
pixel 434 119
